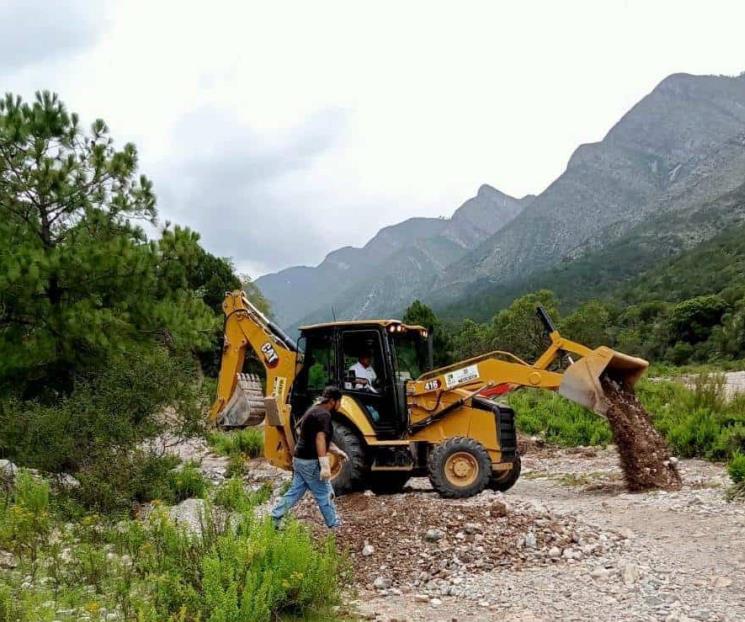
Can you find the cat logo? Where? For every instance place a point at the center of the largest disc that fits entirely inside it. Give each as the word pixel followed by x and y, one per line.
pixel 270 356
pixel 431 385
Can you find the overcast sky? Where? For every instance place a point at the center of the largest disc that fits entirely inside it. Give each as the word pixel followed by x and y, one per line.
pixel 282 130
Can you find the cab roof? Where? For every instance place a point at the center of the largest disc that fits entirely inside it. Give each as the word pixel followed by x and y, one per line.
pixel 361 324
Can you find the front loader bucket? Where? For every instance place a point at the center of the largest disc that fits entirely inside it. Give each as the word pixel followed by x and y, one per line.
pixel 245 408
pixel 581 380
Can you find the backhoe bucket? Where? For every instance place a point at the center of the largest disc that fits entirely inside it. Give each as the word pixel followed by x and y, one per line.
pixel 581 380
pixel 245 408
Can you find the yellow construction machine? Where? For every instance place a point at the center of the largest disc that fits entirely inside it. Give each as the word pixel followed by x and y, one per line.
pixel 409 420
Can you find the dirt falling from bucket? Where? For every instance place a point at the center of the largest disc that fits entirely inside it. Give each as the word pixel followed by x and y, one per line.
pixel 645 456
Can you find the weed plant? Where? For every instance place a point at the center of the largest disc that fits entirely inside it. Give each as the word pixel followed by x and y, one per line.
pixel 248 442
pixel 737 468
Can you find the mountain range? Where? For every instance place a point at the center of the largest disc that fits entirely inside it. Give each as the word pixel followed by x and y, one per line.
pixel 665 178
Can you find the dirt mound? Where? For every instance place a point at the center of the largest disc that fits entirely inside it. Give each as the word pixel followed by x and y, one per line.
pixel 421 541
pixel 645 456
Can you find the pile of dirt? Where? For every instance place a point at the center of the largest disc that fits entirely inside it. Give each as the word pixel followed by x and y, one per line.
pixel 645 457
pixel 421 541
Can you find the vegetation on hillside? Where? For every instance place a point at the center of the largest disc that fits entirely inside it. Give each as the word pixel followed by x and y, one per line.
pixel 690 309
pixel 704 241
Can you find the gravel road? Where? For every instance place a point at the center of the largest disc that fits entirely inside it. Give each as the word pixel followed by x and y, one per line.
pixel 681 556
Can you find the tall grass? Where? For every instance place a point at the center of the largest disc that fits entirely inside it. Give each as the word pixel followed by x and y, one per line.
pixel 697 421
pixel 737 468
pixel 242 569
pixel 558 420
pixel 248 442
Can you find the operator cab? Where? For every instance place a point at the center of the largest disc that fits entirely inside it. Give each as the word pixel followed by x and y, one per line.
pixel 370 362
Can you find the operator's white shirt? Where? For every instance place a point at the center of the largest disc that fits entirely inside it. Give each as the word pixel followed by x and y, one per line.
pixel 360 371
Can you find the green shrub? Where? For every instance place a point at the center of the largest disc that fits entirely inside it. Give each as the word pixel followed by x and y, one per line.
pixel 233 496
pixel 697 422
pixel 156 571
pixel 116 479
pixel 247 572
pixel 115 409
pixel 185 482
pixel 247 442
pixel 25 520
pixel 237 466
pixel 736 468
pixel 96 432
pixel 558 420
pixel 695 434
pixel 283 573
pixel 8 609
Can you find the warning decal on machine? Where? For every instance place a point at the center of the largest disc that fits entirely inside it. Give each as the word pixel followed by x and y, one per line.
pixel 461 376
pixel 278 390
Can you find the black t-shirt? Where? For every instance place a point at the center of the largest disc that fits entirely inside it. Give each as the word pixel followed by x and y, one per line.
pixel 316 419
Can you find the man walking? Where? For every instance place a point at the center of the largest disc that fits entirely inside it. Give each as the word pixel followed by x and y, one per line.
pixel 311 464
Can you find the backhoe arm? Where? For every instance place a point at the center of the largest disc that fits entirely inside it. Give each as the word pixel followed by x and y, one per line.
pixel 246 327
pixel 441 390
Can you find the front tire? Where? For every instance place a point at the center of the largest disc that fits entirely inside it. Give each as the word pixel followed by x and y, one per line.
pixel 507 480
pixel 459 467
pixel 349 476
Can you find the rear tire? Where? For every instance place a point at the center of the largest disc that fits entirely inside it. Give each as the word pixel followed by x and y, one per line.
pixel 508 479
pixel 350 476
pixel 387 483
pixel 459 467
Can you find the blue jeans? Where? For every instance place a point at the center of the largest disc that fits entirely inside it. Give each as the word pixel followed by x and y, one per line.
pixel 307 476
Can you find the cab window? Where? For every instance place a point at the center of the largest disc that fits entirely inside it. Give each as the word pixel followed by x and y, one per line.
pixel 363 361
pixel 320 362
pixel 411 355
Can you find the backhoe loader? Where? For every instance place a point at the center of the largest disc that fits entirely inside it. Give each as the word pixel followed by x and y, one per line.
pixel 412 420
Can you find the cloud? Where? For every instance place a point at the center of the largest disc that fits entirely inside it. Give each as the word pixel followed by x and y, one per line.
pixel 238 186
pixel 32 31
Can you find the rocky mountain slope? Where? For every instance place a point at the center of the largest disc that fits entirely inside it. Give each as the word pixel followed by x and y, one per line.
pixel 705 244
pixel 680 150
pixel 355 281
pixel 680 147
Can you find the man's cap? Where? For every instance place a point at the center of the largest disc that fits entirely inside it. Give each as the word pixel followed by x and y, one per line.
pixel 331 392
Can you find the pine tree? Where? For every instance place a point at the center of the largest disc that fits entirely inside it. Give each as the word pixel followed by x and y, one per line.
pixel 419 313
pixel 79 281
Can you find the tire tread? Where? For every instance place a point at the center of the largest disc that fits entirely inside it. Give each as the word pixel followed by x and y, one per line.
pixel 436 467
